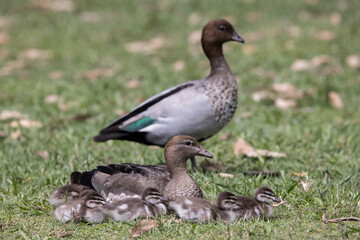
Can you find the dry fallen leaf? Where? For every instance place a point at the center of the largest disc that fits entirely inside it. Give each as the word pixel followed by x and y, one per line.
pixel 194 37
pixel 56 75
pixel 306 185
pixel 15 135
pixel 336 100
pixel 249 49
pixel 120 112
pixel 325 35
pixel 335 18
pixel 353 61
pixel 242 147
pixel 6 114
pixel 195 18
pixel 52 98
pixel 55 5
pixel 226 175
pixel 261 95
pixel 26 123
pixel 300 65
pixel 147 47
pixel 133 84
pixel 303 174
pixel 4 37
pixel 11 66
pixel 100 72
pixel 287 90
pixel 225 136
pixel 179 65
pixel 143 226
pixel 283 103
pixel 321 59
pixel 34 54
pixel 43 154
pixel 4 21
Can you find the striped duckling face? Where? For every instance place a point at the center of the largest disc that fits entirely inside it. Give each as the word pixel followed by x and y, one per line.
pixel 154 197
pixel 228 201
pixel 92 199
pixel 266 195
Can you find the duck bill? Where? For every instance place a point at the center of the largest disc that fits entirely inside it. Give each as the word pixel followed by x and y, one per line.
pixel 237 38
pixel 275 199
pixel 203 152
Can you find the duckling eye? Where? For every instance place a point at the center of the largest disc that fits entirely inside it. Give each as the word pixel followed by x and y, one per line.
pixel 187 142
pixel 222 28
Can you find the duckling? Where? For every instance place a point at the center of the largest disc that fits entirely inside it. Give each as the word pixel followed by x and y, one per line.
pixel 198 108
pixel 67 192
pixel 226 208
pixel 260 205
pixel 88 207
pixel 171 182
pixel 151 204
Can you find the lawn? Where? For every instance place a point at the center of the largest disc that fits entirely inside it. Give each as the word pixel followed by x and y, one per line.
pixel 70 67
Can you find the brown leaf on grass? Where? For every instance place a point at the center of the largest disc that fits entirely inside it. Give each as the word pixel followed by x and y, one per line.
pixel 303 174
pixel 179 65
pixel 195 18
pixel 100 72
pixel 2 134
pixel 55 5
pixel 56 75
pixel 225 137
pixel 335 18
pixel 43 154
pixel 262 94
pixel 11 66
pixel 306 185
pixel 194 37
pixel 147 47
pixel 15 135
pixel 336 220
pixel 120 112
pixel 26 123
pixel 242 147
pixel 287 90
pixel 353 61
pixel 5 21
pixel 4 37
pixel 321 60
pixel 52 98
pixel 143 226
pixel 325 35
pixel 226 175
pixel 132 84
pixel 35 54
pixel 89 17
pixel 249 49
pixel 6 114
pixel 335 100
pixel 301 65
pixel 283 103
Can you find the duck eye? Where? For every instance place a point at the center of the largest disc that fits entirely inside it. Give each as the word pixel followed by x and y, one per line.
pixel 187 142
pixel 222 28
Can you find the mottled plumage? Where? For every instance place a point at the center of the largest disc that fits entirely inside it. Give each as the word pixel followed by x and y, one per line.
pixel 260 205
pixel 198 108
pixel 134 179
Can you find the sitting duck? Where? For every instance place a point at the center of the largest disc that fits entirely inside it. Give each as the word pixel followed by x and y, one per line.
pixel 88 208
pixel 67 192
pixel 127 209
pixel 227 208
pixel 198 108
pixel 260 205
pixel 171 180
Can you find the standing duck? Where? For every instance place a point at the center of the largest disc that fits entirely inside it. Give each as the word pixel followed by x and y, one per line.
pixel 88 207
pixel 198 108
pixel 260 205
pixel 171 180
pixel 127 209
pixel 226 208
pixel 67 192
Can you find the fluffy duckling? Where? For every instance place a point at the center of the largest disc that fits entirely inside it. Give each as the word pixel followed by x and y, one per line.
pixel 226 208
pixel 260 205
pixel 171 183
pixel 88 207
pixel 127 209
pixel 198 108
pixel 67 192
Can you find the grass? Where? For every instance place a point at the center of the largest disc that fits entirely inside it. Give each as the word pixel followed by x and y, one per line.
pixel 315 136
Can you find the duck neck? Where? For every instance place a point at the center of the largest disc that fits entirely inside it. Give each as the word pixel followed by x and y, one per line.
pixel 215 54
pixel 176 163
